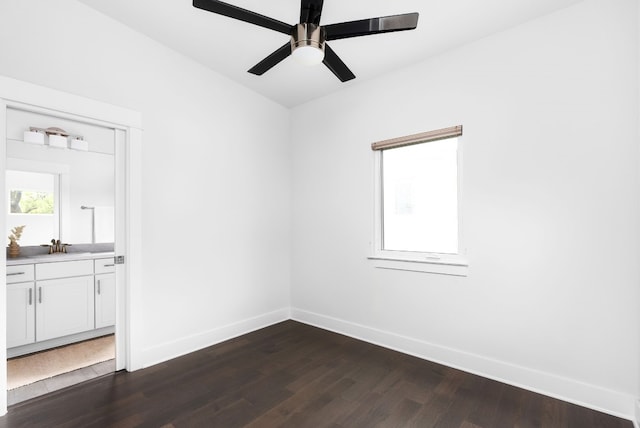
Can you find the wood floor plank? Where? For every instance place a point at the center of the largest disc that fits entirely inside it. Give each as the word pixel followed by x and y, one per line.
pixel 463 404
pixel 295 375
pixel 486 397
pixel 398 416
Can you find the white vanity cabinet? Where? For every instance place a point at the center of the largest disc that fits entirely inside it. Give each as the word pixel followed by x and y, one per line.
pixel 59 302
pixel 105 292
pixel 20 305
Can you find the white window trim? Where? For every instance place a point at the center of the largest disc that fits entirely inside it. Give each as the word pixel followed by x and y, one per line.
pixel 438 263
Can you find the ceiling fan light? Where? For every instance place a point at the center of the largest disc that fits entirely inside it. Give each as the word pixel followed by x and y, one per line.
pixel 308 55
pixel 307 43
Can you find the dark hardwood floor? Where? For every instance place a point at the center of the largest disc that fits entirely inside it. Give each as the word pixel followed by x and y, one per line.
pixel 294 375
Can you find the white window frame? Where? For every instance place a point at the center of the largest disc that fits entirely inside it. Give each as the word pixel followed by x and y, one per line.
pixel 439 263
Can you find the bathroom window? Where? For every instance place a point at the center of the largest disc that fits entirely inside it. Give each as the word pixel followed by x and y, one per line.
pixel 30 193
pixel 31 202
pixel 418 188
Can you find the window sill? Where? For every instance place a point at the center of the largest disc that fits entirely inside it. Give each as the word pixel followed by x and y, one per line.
pixel 456 266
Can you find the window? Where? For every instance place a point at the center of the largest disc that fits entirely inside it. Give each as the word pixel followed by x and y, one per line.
pixel 417 219
pixel 30 192
pixel 33 201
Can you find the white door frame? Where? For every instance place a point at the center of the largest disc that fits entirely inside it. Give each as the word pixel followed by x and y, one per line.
pixel 128 126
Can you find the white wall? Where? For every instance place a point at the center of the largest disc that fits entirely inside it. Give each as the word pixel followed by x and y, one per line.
pixel 215 170
pixel 550 205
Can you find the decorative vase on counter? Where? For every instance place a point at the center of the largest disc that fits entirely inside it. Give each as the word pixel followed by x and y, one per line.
pixel 14 249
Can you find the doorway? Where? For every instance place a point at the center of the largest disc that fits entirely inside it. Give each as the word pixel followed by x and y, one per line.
pixel 60 180
pixel 124 126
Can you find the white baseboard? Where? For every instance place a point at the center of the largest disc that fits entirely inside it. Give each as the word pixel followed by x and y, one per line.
pixel 169 350
pixel 583 394
pixel 636 421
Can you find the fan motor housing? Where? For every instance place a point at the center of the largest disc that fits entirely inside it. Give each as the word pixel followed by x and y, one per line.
pixel 306 34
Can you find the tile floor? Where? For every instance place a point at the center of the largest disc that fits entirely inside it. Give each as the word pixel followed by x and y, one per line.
pixel 45 386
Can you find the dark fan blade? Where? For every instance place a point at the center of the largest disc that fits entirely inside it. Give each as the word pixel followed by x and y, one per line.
pixel 364 27
pixel 235 12
pixel 335 64
pixel 273 59
pixel 310 11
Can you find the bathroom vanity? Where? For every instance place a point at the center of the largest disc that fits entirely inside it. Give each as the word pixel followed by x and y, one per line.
pixel 57 299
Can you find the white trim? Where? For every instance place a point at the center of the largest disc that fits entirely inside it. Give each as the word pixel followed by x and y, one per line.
pixel 30 97
pixel 27 108
pixel 376 243
pixel 462 243
pixel 120 245
pixel 133 262
pixel 3 266
pixel 36 166
pixel 636 421
pixel 169 350
pixel 37 98
pixel 455 267
pixel 601 399
pixel 438 263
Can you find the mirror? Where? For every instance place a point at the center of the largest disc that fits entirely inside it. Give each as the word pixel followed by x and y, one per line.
pixel 34 201
pixel 59 192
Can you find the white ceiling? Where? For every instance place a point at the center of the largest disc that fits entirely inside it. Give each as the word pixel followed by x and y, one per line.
pixel 231 47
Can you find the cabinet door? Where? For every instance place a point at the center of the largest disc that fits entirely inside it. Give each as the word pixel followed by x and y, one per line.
pixel 20 314
pixel 105 300
pixel 64 306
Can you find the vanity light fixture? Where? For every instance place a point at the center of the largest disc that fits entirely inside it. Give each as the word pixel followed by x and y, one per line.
pixel 57 137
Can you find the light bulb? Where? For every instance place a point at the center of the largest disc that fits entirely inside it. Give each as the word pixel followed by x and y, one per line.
pixel 308 55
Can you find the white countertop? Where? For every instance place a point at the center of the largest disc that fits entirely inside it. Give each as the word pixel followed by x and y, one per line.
pixel 58 257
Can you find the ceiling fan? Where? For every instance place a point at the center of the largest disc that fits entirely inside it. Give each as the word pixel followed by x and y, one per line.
pixel 308 38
